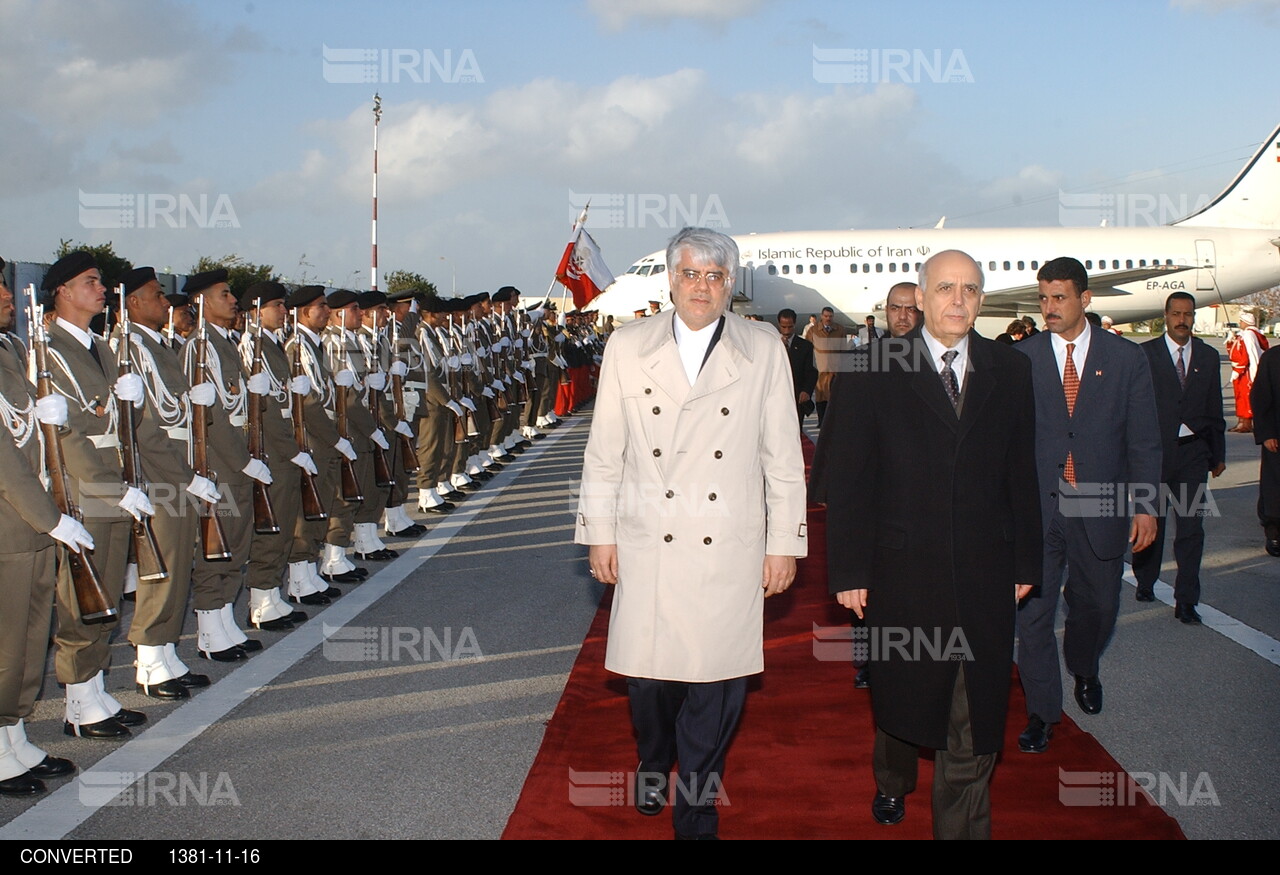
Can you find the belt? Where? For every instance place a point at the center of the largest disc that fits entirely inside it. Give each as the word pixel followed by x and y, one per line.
pixel 104 441
pixel 415 384
pixel 177 433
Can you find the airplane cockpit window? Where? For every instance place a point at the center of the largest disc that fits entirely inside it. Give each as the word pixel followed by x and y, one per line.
pixel 633 268
pixel 659 268
pixel 644 271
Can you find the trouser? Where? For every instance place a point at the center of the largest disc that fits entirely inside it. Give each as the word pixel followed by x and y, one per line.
pixel 26 605
pixel 692 724
pixel 217 583
pixel 1186 491
pixel 1092 596
pixel 160 605
pixel 308 535
pixel 269 554
pixel 84 650
pixel 342 514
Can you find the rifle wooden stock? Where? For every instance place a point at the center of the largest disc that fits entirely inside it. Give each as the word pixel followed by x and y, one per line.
pixel 146 549
pixel 312 507
pixel 264 515
pixel 213 540
pixel 91 596
pixel 382 475
pixel 408 450
pixel 350 483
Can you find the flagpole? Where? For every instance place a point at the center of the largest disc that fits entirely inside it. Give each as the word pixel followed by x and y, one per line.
pixel 377 117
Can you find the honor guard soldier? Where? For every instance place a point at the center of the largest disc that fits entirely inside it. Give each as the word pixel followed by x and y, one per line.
pixel 373 354
pixel 424 399
pixel 443 432
pixel 79 364
pixel 161 434
pixel 313 385
pixel 264 360
pixel 218 389
pixel 30 522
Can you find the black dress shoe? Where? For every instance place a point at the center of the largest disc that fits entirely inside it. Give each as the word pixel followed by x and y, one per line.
pixel 862 680
pixel 1187 614
pixel 412 532
pixel 472 486
pixel 25 784
pixel 250 645
pixel 453 495
pixel 128 717
pixel 439 509
pixel 129 597
pixel 383 555
pixel 1144 595
pixel 109 728
pixel 193 681
pixel 1035 738
pixel 281 624
pixel 167 690
pixel 52 767
pixel 234 653
pixel 888 809
pixel 344 577
pixel 651 797
pixel 315 599
pixel 1273 546
pixel 1089 694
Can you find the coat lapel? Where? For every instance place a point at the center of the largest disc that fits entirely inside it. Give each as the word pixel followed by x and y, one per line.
pixel 661 361
pixel 926 383
pixel 978 383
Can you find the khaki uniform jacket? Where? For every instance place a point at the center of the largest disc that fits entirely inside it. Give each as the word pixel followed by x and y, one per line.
pixel 27 511
pixel 694 485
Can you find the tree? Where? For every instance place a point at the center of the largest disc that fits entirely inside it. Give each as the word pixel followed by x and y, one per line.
pixel 112 267
pixel 1268 301
pixel 400 280
pixel 240 273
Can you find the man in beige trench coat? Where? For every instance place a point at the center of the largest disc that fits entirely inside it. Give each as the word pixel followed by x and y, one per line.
pixel 693 502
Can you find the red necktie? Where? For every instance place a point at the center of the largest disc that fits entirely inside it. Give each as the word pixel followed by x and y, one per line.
pixel 1070 388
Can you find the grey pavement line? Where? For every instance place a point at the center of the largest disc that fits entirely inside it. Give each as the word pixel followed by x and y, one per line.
pixel 64 809
pixel 390 671
pixel 1225 625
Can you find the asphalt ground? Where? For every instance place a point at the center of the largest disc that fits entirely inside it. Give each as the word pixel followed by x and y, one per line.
pixel 413 706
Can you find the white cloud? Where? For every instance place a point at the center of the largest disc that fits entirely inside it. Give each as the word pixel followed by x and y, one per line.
pixel 617 14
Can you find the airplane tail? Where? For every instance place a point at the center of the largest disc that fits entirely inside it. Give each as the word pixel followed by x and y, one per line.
pixel 1252 200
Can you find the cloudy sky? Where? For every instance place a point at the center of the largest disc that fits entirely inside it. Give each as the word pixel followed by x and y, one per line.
pixel 248 125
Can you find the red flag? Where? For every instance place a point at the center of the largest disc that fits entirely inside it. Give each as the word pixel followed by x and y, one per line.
pixel 582 269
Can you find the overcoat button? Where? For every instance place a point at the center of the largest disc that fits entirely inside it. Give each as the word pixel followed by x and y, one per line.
pixel 706 540
pixel 724 411
pixel 671 493
pixel 648 391
pixel 657 452
pixel 719 455
pixel 657 410
pixel 667 538
pixel 712 496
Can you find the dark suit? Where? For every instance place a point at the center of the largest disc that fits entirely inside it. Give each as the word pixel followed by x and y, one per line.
pixel 1265 400
pixel 804 371
pixel 1114 440
pixel 1187 460
pixel 942 508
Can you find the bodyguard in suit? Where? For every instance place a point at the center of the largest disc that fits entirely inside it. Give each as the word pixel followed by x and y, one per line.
pixel 928 455
pixel 1265 400
pixel 693 504
pixel 1186 375
pixel 1097 439
pixel 804 371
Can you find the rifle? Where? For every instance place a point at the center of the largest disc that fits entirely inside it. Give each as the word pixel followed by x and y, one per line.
pixel 212 538
pixel 91 596
pixel 382 475
pixel 264 516
pixel 408 452
pixel 312 508
pixel 145 547
pixel 350 483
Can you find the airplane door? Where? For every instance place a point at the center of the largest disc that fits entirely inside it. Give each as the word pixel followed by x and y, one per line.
pixel 742 290
pixel 1205 260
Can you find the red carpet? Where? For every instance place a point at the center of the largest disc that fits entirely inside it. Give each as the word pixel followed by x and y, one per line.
pixel 800 765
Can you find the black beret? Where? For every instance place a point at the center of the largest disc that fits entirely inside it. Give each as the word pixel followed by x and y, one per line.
pixel 263 292
pixel 366 300
pixel 432 304
pixel 177 299
pixel 341 298
pixel 506 293
pixel 303 295
pixel 402 295
pixel 66 268
pixel 137 278
pixel 198 282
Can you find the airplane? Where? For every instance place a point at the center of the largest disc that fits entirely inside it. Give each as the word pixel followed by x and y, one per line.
pixel 1225 250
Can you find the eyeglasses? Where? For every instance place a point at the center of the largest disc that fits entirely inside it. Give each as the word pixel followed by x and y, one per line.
pixel 714 278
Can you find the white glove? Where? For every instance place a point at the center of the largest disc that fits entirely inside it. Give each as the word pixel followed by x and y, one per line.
pixel 380 439
pixel 70 532
pixel 482 351
pixel 469 404
pixel 562 337
pixel 454 406
pixel 466 358
pixel 530 366
pixel 502 343
pixel 135 501
pixel 518 375
pixel 300 385
pixel 376 380
pixel 204 489
pixel 413 306
pixel 346 378
pixel 259 383
pixel 453 362
pixel 520 343
pixel 306 463
pixel 129 388
pixel 488 392
pixel 258 470
pixel 404 428
pixel 526 333
pixel 399 369
pixel 52 409
pixel 344 446
pixel 203 394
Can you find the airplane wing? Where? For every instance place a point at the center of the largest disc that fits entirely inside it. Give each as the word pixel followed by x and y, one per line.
pixel 1103 285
